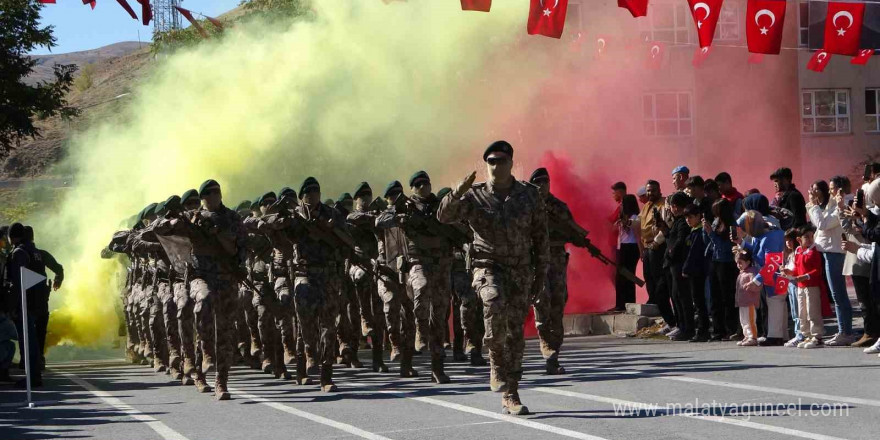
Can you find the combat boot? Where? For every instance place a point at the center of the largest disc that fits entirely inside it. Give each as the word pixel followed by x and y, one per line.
pixel 553 367
pixel 406 368
pixel 188 367
pixel 437 374
pixel 220 390
pixel 457 351
pixel 186 380
pixel 201 384
pixel 289 357
pixel 175 373
pixel 477 359
pixel 355 362
pixel 267 366
pixel 207 363
pixel 378 364
pixel 327 385
pixel 395 354
pixel 256 349
pixel 159 365
pixel 510 403
pixel 302 376
pixel 174 362
pixel 312 367
pixel 497 379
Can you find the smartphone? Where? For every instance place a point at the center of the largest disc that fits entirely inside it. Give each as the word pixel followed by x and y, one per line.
pixel 860 198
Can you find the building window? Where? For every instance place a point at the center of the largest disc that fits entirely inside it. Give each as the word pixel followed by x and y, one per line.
pixel 667 113
pixel 667 22
pixel 804 24
pixel 872 110
pixel 728 23
pixel 825 111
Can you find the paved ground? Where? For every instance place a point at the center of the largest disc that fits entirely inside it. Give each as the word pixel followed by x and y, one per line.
pixel 616 388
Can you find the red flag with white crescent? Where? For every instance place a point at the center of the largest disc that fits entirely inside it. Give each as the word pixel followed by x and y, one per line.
pixel 705 13
pixel 638 8
pixel 863 57
pixel 764 23
pixel 781 286
pixel 700 55
pixel 127 8
pixel 656 52
pixel 768 271
pixel 215 22
pixel 843 27
pixel 146 11
pixel 547 17
pixel 476 5
pixel 819 60
pixel 776 258
pixel 601 45
pixel 91 3
pixel 186 13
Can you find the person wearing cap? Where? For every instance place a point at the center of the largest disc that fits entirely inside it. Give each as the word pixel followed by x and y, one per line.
pixel 510 257
pixel 362 226
pixel 429 259
pixel 789 197
pixel 550 306
pixel 680 176
pixel 217 237
pixel 273 225
pixel 400 321
pixel 642 195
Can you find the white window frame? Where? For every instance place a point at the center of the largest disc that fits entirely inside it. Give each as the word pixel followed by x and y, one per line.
pixel 679 119
pixel 681 23
pixel 815 117
pixel 803 28
pixel 872 126
pixel 735 24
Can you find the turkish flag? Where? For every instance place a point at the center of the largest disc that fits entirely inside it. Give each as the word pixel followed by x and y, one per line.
pixel 768 271
pixel 756 58
pixel 547 17
pixel 638 8
pixel 127 8
pixel 90 3
pixel 705 14
pixel 656 52
pixel 843 27
pixel 476 5
pixel 863 57
pixel 215 22
pixel 700 55
pixel 186 13
pixel 601 45
pixel 776 258
pixel 781 286
pixel 764 23
pixel 146 11
pixel 818 61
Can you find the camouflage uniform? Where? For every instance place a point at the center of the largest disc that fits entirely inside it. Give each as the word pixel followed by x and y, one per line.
pixel 549 307
pixel 510 247
pixel 400 320
pixel 362 228
pixel 217 248
pixel 467 311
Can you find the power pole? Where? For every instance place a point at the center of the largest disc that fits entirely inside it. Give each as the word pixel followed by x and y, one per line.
pixel 165 17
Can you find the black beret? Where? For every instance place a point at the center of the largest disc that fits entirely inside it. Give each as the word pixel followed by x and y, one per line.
pixel 309 184
pixel 173 204
pixel 344 197
pixel 286 191
pixel 271 195
pixel 149 210
pixel 190 193
pixel 362 188
pixel 500 146
pixel 255 205
pixel 392 187
pixel 245 205
pixel 159 209
pixel 210 183
pixel 443 192
pixel 540 175
pixel 418 176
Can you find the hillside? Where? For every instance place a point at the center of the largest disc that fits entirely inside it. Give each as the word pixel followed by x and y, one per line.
pixel 43 71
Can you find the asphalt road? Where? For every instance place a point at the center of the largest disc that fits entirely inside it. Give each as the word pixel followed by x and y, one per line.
pixel 616 388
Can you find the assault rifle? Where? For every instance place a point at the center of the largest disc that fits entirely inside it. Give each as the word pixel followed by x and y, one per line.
pixel 574 236
pixel 404 204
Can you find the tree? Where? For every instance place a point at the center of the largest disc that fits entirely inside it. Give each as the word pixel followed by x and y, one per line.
pixel 21 104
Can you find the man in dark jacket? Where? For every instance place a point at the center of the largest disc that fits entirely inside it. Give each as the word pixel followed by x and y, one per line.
pixel 788 197
pixel 676 255
pixel 25 254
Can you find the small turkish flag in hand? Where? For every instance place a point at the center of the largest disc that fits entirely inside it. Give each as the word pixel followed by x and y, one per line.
pixel 547 17
pixel 863 57
pixel 655 55
pixel 638 8
pixel 767 273
pixel 476 5
pixel 818 61
pixel 764 23
pixel 700 55
pixel 843 27
pixel 781 286
pixel 705 14
pixel 775 257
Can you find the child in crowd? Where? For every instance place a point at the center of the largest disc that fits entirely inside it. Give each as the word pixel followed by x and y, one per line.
pixel 695 269
pixel 748 297
pixel 676 255
pixel 791 245
pixel 807 273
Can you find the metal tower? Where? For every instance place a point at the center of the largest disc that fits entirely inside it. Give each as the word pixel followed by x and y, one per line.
pixel 165 17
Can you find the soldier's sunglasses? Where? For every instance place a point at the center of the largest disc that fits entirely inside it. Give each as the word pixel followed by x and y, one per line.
pixel 496 160
pixel 421 183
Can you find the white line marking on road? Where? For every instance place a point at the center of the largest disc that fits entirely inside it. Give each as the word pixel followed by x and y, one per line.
pixel 309 416
pixel 717 419
pixel 826 397
pixel 497 416
pixel 162 429
pixel 430 428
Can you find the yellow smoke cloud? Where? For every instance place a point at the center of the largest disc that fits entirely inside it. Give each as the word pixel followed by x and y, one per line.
pixel 365 91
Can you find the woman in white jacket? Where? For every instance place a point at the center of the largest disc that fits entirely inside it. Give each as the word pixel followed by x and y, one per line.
pixel 829 242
